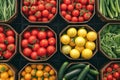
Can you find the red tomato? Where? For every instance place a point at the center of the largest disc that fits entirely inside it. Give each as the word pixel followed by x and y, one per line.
pixel 91 1
pixel 67 2
pixel 74 19
pixel 32 39
pixel 90 7
pixel 33 2
pixel 82 12
pixel 48 6
pixel 44 19
pixel 83 1
pixel 34 32
pixel 116 75
pixel 26 35
pixel 75 13
pixel 42 35
pixel 68 17
pixel 53 2
pixel 32 18
pixel 26 2
pixel 10 39
pixel 2 47
pixel 50 33
pixel 115 66
pixel 52 41
pixel 24 43
pixel 29 13
pixel 70 7
pixel 87 15
pixel 1 29
pixel 2 38
pixel 10 33
pixel 50 50
pixel 7 54
pixel 109 77
pixel 44 43
pixel 33 9
pixel 63 13
pixel 41 52
pixel 41 7
pixel 27 52
pixel 63 7
pixel 45 13
pixel 38 14
pixel 34 55
pixel 53 10
pixel 41 2
pixel 80 19
pixel 11 47
pixel 50 16
pixel 78 6
pixel 36 47
pixel 25 9
pixel 109 69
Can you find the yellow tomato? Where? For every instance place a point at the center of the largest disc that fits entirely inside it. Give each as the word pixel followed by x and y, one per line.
pixel 82 32
pixel 66 49
pixel 65 39
pixel 10 72
pixel 80 41
pixel 28 69
pixel 92 36
pixel 46 74
pixel 90 45
pixel 72 42
pixel 74 53
pixel 52 72
pixel 47 68
pixel 4 75
pixel 87 53
pixel 80 49
pixel 33 72
pixel 39 73
pixel 33 66
pixel 23 73
pixel 28 76
pixel 11 78
pixel 72 32
pixel 40 66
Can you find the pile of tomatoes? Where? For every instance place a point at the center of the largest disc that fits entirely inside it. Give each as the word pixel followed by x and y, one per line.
pixel 77 10
pixel 7 42
pixel 6 73
pixel 112 72
pixel 38 43
pixel 38 72
pixel 39 10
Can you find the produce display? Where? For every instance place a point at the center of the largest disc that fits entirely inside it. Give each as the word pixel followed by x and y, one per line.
pixel 78 42
pixel 38 43
pixel 110 40
pixel 110 8
pixel 77 71
pixel 7 9
pixel 111 72
pixel 77 10
pixel 38 72
pixel 39 10
pixel 6 73
pixel 7 42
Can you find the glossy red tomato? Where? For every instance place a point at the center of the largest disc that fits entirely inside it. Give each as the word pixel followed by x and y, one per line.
pixel 68 17
pixel 52 41
pixel 67 2
pixel 87 15
pixel 75 13
pixel 70 7
pixel 115 66
pixel 7 54
pixel 32 18
pixel 63 13
pixel 48 6
pixel 53 2
pixel 116 75
pixel 50 16
pixel 2 47
pixel 10 33
pixel 45 13
pixel 38 14
pixel 26 35
pixel 90 7
pixel 41 7
pixel 91 1
pixel 34 32
pixel 25 9
pixel 80 19
pixel 53 11
pixel 41 52
pixel 109 77
pixel 83 1
pixel 42 35
pixel 44 43
pixel 34 55
pixel 27 52
pixel 78 6
pixel 74 19
pixel 44 19
pixel 24 43
pixel 63 7
pixel 36 47
pixel 32 39
pixel 50 50
pixel 10 39
pixel 11 47
pixel 26 2
pixel 2 38
pixel 50 33
pixel 33 2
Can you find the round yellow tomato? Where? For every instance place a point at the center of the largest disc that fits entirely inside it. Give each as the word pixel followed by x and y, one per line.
pixel 28 76
pixel 92 36
pixel 72 32
pixel 80 49
pixel 74 53
pixel 4 75
pixel 66 49
pixel 90 45
pixel 65 39
pixel 87 54
pixel 39 73
pixel 82 32
pixel 80 41
pixel 28 69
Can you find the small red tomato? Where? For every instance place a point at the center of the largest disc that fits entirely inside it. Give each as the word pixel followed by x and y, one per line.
pixel 50 16
pixel 63 13
pixel 39 19
pixel 109 77
pixel 70 7
pixel 34 32
pixel 36 47
pixel 29 13
pixel 42 35
pixel 33 2
pixel 26 35
pixel 27 52
pixel 63 7
pixel 84 6
pixel 41 52
pixel 40 2
pixel 53 2
pixel 87 15
pixel 74 19
pixel 10 33
pixel 50 50
pixel 11 47
pixel 78 6
pixel 25 9
pixel 10 39
pixel 80 19
pixel 48 6
pixel 32 18
pixel 91 1
pixel 90 7
pixel 41 7
pixel 109 69
pixel 83 1
pixel 50 33
pixel 26 2
pixel 32 39
pixel 45 13
pixel 68 17
pixel 1 29
pixel 75 13
pixel 53 10
pixel 2 47
pixel 7 54
pixel 82 12
pixel 67 2
pixel 44 43
pixel 24 43
pixel 115 66
pixel 116 75
pixel 38 14
pixel 34 55
pixel 44 19
pixel 33 9
pixel 52 41
pixel 2 38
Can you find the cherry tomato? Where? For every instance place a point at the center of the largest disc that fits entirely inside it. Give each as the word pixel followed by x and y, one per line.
pixel 1 29
pixel 33 2
pixel 42 35
pixel 78 6
pixel 50 33
pixel 75 13
pixel 90 7
pixel 32 18
pixel 82 12
pixel 26 35
pixel 91 1
pixel 2 38
pixel 50 50
pixel 80 19
pixel 11 47
pixel 10 33
pixel 68 17
pixel 67 2
pixel 2 47
pixel 109 69
pixel 74 19
pixel 87 15
pixel 24 43
pixel 53 10
pixel 32 39
pixel 109 77
pixel 83 1
pixel 50 16
pixel 41 2
pixel 27 52
pixel 44 43
pixel 48 6
pixel 41 7
pixel 34 55
pixel 116 75
pixel 115 66
pixel 41 52
pixel 45 13
pixel 63 13
pixel 38 14
pixel 26 2
pixel 25 9
pixel 70 7
pixel 7 54
pixel 63 7
pixel 34 32
pixel 53 2
pixel 52 41
pixel 10 39
pixel 33 9
pixel 36 47
pixel 44 19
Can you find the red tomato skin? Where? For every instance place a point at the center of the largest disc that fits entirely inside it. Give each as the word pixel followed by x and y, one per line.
pixel 68 17
pixel 42 35
pixel 53 2
pixel 116 75
pixel 10 39
pixel 2 38
pixel 91 2
pixel 26 35
pixel 90 7
pixel 52 41
pixel 44 19
pixel 38 14
pixel 36 47
pixel 44 43
pixel 83 1
pixel 53 10
pixel 50 16
pixel 50 33
pixel 109 69
pixel 45 13
pixel 10 33
pixel 7 54
pixel 78 6
pixel 27 52
pixel 48 6
pixel 41 52
pixel 25 9
pixel 75 13
pixel 34 32
pixel 74 19
pixel 87 15
pixel 115 66
pixel 41 7
pixel 109 77
pixel 81 19
pixel 70 7
pixel 2 47
pixel 11 47
pixel 32 18
pixel 63 7
pixel 32 39
pixel 63 13
pixel 33 2
pixel 34 55
pixel 67 2
pixel 24 43
pixel 50 50
pixel 26 2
